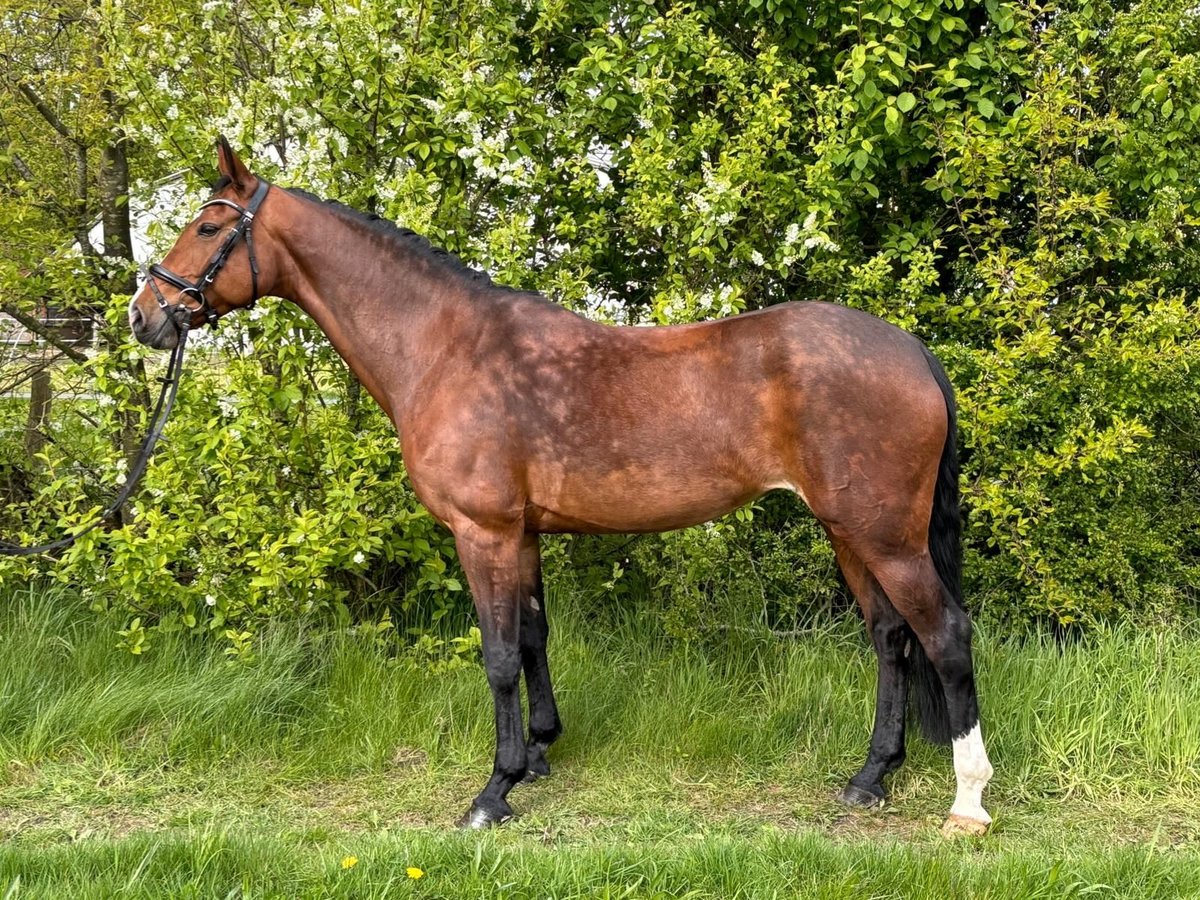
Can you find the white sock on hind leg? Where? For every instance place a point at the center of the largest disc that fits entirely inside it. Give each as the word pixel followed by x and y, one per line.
pixel 973 771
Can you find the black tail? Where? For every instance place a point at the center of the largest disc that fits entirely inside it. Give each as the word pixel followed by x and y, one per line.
pixel 945 546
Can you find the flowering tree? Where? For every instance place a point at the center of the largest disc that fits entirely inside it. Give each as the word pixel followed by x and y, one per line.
pixel 1015 184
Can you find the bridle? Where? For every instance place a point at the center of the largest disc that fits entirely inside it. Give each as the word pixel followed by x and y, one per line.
pixel 170 381
pixel 215 263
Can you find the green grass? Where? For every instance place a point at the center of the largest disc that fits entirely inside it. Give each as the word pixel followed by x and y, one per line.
pixel 682 773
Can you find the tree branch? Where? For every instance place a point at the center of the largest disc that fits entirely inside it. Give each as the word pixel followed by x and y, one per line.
pixel 74 218
pixel 46 112
pixel 82 185
pixel 19 164
pixel 43 332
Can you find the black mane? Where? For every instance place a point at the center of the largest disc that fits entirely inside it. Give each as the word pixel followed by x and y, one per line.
pixel 403 238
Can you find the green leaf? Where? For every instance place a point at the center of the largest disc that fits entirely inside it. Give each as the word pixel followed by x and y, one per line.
pixel 906 101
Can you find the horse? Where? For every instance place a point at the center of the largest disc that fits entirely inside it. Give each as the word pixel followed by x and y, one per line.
pixel 517 417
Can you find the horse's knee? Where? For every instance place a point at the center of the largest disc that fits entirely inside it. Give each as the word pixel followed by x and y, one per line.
pixel 936 618
pixel 503 666
pixel 890 635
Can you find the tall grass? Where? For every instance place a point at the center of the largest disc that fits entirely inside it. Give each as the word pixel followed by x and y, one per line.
pixel 1117 712
pixel 683 769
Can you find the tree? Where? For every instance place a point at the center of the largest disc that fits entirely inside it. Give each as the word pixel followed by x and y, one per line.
pixel 1015 184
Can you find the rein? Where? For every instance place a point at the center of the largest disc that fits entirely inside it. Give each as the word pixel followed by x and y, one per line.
pixel 181 315
pixel 162 409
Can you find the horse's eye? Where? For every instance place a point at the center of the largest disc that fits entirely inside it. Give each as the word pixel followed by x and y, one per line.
pixel 208 229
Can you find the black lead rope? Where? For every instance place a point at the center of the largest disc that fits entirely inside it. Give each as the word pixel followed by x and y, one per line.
pixel 162 409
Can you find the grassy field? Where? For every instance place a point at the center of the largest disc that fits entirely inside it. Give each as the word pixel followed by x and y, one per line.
pixel 682 774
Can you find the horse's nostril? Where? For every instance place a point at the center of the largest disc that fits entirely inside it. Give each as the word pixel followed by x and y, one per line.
pixel 135 316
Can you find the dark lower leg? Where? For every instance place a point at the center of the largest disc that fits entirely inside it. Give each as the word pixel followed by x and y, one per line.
pixel 508 766
pixel 890 635
pixel 544 723
pixel 951 657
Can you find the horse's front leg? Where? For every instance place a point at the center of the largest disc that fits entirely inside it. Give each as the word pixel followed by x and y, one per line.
pixel 490 556
pixel 544 723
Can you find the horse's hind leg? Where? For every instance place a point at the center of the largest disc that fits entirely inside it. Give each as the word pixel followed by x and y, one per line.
pixel 890 635
pixel 944 630
pixel 544 723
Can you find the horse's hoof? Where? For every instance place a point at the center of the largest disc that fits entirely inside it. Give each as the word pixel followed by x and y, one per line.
pixel 853 795
pixel 478 817
pixel 536 766
pixel 957 826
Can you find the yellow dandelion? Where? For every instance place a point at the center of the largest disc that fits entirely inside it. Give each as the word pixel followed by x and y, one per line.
pixel 414 873
pixel 349 862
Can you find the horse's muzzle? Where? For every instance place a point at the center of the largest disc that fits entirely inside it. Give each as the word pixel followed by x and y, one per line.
pixel 156 330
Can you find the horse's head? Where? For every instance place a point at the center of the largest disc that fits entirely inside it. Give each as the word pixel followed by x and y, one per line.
pixel 208 272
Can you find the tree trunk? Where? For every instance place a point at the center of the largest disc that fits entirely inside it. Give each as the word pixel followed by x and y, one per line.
pixel 114 200
pixel 118 249
pixel 353 401
pixel 39 412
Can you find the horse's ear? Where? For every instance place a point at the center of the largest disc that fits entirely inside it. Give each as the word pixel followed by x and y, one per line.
pixel 230 166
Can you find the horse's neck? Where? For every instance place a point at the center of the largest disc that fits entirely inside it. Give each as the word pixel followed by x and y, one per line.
pixel 386 309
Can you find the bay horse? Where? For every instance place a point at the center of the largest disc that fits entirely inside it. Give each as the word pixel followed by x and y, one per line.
pixel 517 417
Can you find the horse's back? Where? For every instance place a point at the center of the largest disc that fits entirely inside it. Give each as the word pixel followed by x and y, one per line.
pixel 722 380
